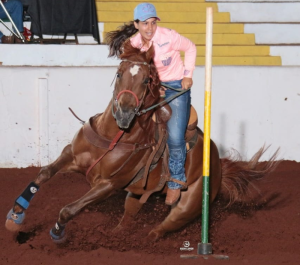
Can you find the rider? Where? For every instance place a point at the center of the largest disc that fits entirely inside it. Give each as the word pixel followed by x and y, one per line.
pixel 172 72
pixel 15 10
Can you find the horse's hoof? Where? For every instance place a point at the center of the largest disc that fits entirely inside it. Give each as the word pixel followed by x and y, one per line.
pixel 117 229
pixel 154 235
pixel 14 220
pixel 10 225
pixel 58 239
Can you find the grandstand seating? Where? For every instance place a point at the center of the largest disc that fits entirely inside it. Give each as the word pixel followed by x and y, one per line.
pixel 231 45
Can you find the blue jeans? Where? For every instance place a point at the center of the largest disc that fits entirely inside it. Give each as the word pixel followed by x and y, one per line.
pixel 15 10
pixel 176 129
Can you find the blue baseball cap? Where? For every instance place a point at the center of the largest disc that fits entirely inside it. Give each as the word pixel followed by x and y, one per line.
pixel 144 11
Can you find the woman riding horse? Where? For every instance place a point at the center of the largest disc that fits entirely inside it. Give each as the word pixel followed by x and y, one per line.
pixel 172 73
pixel 124 148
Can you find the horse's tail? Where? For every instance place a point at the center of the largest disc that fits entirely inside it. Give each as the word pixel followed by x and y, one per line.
pixel 238 176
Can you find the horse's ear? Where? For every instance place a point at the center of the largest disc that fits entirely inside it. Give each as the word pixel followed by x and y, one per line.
pixel 126 47
pixel 128 50
pixel 150 54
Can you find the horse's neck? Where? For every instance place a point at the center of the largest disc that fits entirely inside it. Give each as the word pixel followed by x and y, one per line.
pixel 105 124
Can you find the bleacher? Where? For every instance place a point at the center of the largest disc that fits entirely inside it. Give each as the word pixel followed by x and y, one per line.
pixel 256 33
pixel 231 45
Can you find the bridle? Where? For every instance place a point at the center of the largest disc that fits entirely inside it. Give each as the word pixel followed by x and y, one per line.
pixel 139 102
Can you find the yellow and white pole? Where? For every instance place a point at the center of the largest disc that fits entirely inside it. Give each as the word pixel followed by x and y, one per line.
pixel 204 248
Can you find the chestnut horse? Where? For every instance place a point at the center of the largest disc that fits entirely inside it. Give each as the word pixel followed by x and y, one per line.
pixel 124 148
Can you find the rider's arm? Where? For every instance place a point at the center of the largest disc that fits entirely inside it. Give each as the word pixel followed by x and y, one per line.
pixel 181 43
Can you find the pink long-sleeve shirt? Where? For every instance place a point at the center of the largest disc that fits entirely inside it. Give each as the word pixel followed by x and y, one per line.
pixel 167 45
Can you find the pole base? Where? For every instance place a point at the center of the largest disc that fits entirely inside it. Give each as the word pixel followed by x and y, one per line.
pixel 205 252
pixel 204 249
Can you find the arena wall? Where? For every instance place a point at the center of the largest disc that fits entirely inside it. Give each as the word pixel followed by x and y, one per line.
pixel 252 106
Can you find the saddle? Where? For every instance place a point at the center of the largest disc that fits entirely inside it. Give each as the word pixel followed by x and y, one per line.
pixel 190 131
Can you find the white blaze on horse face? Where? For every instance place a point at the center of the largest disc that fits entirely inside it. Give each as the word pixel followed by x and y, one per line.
pixel 134 70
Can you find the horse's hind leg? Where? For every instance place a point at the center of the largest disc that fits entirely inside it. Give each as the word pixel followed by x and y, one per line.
pixel 16 215
pixel 186 210
pixel 132 207
pixel 190 203
pixel 189 206
pixel 98 193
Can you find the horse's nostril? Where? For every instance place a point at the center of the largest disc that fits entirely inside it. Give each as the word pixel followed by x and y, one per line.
pixel 131 115
pixel 128 114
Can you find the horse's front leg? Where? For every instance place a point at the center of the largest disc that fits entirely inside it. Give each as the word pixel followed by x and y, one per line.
pixel 132 207
pixel 16 215
pixel 98 193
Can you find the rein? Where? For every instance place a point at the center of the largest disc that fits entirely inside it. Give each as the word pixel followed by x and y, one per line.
pixel 111 147
pixel 81 121
pixel 165 101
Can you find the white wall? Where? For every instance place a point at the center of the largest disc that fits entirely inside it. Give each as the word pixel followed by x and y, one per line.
pixel 55 55
pixel 290 55
pixel 23 93
pixel 261 12
pixel 272 33
pixel 251 106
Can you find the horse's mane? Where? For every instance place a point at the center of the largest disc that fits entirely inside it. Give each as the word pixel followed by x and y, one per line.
pixel 135 54
pixel 115 39
pixel 128 51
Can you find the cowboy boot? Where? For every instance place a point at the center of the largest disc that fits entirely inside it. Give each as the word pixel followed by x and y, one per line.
pixel 172 196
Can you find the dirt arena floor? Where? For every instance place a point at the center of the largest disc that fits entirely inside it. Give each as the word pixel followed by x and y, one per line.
pixel 264 231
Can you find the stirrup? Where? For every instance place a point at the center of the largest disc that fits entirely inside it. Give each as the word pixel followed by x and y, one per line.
pixel 183 184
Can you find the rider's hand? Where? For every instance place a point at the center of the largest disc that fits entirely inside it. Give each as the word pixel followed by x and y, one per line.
pixel 186 83
pixel 162 91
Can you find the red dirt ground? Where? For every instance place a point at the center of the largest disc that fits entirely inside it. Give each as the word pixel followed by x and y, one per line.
pixel 263 231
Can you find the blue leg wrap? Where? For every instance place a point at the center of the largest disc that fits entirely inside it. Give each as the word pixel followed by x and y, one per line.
pixel 16 217
pixel 27 195
pixel 57 233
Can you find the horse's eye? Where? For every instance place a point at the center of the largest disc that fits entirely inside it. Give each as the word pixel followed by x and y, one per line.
pixel 146 81
pixel 118 75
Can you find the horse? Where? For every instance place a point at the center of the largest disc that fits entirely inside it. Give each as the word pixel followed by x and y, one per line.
pixel 125 148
